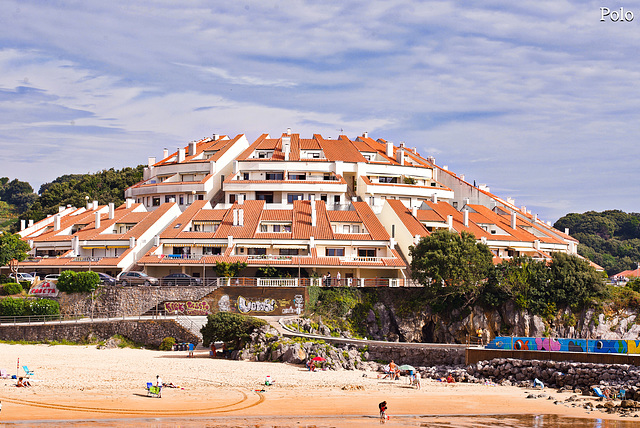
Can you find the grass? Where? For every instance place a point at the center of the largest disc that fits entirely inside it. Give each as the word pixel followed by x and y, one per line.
pixel 122 342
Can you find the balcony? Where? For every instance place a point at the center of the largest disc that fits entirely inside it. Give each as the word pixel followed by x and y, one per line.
pixel 405 190
pixel 335 185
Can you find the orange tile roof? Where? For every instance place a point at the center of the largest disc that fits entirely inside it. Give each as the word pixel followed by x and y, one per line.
pixel 371 222
pixel 410 222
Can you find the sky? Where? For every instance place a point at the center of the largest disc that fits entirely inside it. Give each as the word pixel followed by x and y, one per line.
pixel 537 99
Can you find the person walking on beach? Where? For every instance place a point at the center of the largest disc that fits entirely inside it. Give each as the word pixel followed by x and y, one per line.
pixel 159 385
pixel 383 412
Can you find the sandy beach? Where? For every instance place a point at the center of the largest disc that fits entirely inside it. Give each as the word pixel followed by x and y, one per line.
pixel 83 382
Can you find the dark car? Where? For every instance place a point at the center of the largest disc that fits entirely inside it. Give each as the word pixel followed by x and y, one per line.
pixel 137 278
pixel 180 279
pixel 106 279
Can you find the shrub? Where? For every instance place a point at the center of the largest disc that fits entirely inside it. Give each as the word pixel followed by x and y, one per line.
pixel 78 282
pixel 11 288
pixel 12 307
pixel 66 280
pixel 167 344
pixel 231 328
pixel 42 307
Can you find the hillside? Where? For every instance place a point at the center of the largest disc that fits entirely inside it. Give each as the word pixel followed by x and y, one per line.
pixel 609 238
pixel 18 201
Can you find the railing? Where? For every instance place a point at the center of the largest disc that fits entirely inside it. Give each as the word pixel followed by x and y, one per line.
pixel 87 259
pixel 364 259
pixel 183 256
pixel 270 257
pixel 81 317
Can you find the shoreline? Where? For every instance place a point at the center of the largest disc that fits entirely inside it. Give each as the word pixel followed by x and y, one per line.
pixel 78 383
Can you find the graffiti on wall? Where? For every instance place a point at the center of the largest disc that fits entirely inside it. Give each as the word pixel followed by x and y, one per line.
pixel 565 345
pixel 265 305
pixel 187 308
pixel 297 307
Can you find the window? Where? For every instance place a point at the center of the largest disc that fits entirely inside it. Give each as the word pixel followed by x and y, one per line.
pixel 276 228
pixel 156 202
pixel 232 198
pixel 293 197
pixel 168 198
pixel 201 197
pixel 355 228
pixel 289 251
pixel 287 228
pixel 256 251
pixel 297 176
pixel 393 230
pixel 336 199
pixel 211 251
pixel 366 252
pixel 327 176
pixel 245 176
pixel 323 198
pixel 267 197
pixel 274 175
pixel 181 199
pixel 455 205
pixel 263 228
pixel 315 155
pixel 346 228
pixel 387 179
pixel 335 252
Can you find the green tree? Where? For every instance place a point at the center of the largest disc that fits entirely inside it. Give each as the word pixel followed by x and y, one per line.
pixel 229 270
pixel 77 282
pixel 573 282
pixel 12 248
pixel 525 281
pixel 234 329
pixel 451 267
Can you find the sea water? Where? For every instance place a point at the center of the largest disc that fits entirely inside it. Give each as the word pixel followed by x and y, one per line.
pixel 461 421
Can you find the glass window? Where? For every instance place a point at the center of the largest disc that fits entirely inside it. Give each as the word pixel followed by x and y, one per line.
pixel 297 176
pixel 256 251
pixel 335 252
pixel 263 228
pixel 276 228
pixel 288 251
pixel 156 202
pixel 245 176
pixel 355 228
pixel 323 198
pixel 336 199
pixel 181 199
pixel 274 175
pixel 287 228
pixel 211 251
pixel 366 252
pixel 346 228
pixel 293 197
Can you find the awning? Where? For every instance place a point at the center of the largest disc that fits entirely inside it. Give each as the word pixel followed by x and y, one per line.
pixel 293 247
pixel 210 245
pixel 522 249
pixel 118 246
pixel 92 247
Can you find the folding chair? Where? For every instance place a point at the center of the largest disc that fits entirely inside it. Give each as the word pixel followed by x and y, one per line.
pixel 28 372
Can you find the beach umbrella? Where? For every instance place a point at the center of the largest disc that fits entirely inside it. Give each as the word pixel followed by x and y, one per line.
pixel 318 359
pixel 407 368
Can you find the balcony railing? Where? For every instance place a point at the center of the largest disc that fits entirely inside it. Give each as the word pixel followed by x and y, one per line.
pixel 270 257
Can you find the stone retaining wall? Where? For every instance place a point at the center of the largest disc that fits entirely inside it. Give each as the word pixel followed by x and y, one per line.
pixel 127 301
pixel 417 356
pixel 146 332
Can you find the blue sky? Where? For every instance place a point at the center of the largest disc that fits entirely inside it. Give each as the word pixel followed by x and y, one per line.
pixel 537 99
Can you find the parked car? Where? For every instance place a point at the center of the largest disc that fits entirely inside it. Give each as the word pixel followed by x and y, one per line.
pixel 106 279
pixel 52 277
pixel 23 277
pixel 180 279
pixel 137 278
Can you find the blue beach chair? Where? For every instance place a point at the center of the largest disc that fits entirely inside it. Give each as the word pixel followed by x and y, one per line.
pixel 28 372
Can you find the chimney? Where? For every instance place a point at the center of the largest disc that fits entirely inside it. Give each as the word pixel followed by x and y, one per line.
pixel 30 222
pixel 462 177
pixel 235 217
pixel 365 134
pixel 151 161
pixel 536 244
pixel 450 222
pixel 535 218
pixel 112 211
pixel 88 203
pixel 60 209
pixel 192 148
pixel 240 198
pixel 288 131
pixel 56 222
pixel 181 154
pixel 523 209
pixel 23 224
pixel 414 150
pixel 434 198
pixel 400 154
pixel 240 217
pixel 165 153
pixel 466 201
pixel 312 242
pixel 75 245
pixel 97 220
pixel 286 147
pixel 132 242
pixel 432 159
pixel 215 137
pixel 513 220
pixel 445 167
pixel 313 215
pixel 466 218
pixel 566 230
pixel 414 212
pixel 390 149
pixel 95 205
pixel 129 203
